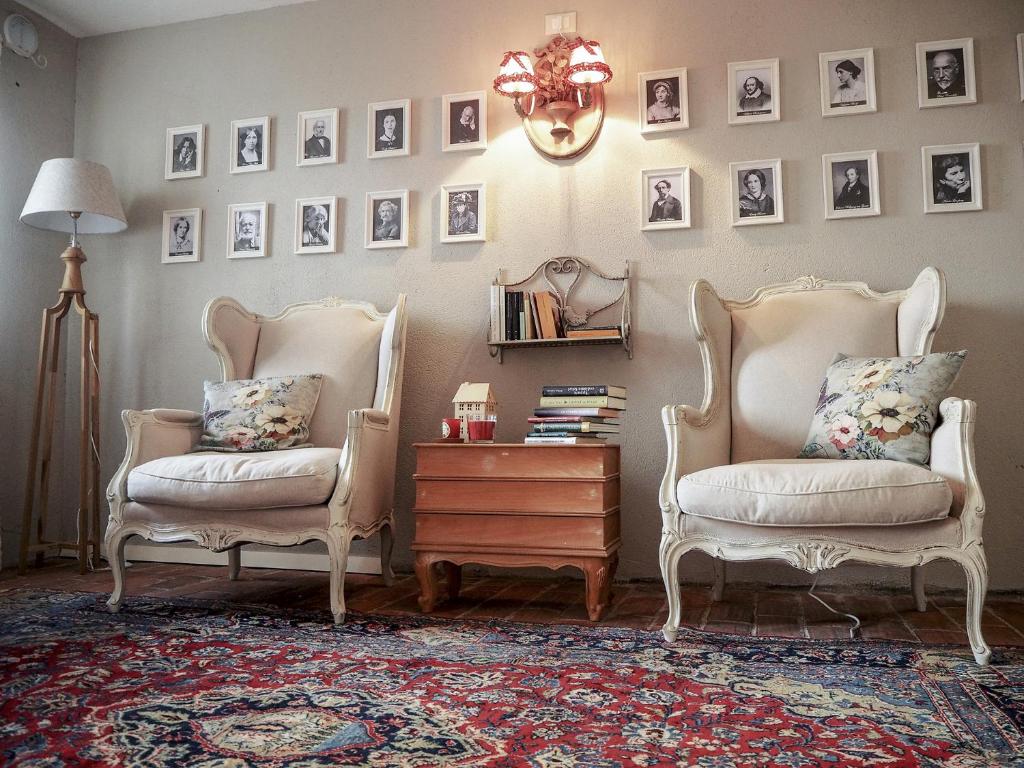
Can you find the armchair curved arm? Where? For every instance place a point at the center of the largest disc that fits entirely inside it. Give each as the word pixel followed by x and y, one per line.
pixel 953 458
pixel 366 469
pixel 151 434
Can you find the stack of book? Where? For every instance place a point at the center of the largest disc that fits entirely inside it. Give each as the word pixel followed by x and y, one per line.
pixel 577 414
pixel 530 315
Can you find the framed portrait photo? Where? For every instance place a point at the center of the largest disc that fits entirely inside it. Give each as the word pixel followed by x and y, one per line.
pixel 463 213
pixel 850 182
pixel 663 100
pixel 952 178
pixel 387 219
pixel 388 128
pixel 250 145
pixel 464 121
pixel 315 224
pixel 1020 63
pixel 754 93
pixel 317 134
pixel 945 73
pixel 185 153
pixel 665 198
pixel 756 192
pixel 847 82
pixel 182 236
pixel 248 230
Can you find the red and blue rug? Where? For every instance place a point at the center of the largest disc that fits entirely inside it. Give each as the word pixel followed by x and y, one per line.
pixel 189 683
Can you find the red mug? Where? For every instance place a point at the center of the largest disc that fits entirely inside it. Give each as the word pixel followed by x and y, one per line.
pixel 482 429
pixel 451 429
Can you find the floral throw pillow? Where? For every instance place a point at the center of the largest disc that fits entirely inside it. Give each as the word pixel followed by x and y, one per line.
pixel 880 407
pixel 259 414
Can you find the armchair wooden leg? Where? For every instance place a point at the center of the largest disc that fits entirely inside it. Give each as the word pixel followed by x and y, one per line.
pixel 668 556
pixel 976 568
pixel 337 551
pixel 917 587
pixel 719 589
pixel 234 562
pixel 115 540
pixel 387 543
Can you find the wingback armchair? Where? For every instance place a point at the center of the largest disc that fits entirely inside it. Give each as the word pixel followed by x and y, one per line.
pixel 339 490
pixel 764 359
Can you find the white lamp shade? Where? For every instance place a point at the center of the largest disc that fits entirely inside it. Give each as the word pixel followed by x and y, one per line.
pixel 65 184
pixel 587 66
pixel 515 76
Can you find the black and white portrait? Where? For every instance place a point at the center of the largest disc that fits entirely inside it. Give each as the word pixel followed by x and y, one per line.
pixel 315 224
pixel 247 230
pixel 182 235
pixel 851 182
pixel 184 152
pixel 663 100
pixel 952 177
pixel 250 140
pixel 847 82
pixel 388 124
pixel 754 91
pixel 757 192
pixel 387 219
pixel 945 73
pixel 317 132
pixel 464 121
pixel 463 213
pixel 666 198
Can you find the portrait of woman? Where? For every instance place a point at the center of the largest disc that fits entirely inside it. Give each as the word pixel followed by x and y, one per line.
pixel 388 129
pixel 182 235
pixel 181 238
pixel 662 100
pixel 847 80
pixel 250 150
pixel 951 179
pixel 754 198
pixel 462 219
pixel 851 91
pixel 315 227
pixel 315 224
pixel 250 140
pixel 663 108
pixel 757 192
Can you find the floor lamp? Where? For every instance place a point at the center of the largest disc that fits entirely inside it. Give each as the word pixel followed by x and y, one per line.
pixel 68 196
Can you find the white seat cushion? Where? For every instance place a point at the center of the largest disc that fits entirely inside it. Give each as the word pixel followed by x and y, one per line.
pixel 816 492
pixel 292 478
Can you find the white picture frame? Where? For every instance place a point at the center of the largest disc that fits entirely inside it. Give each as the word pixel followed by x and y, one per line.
pixel 316 222
pixel 748 209
pixel 459 129
pixel 470 223
pixel 178 247
pixel 1020 63
pixel 242 245
pixel 312 148
pixel 847 80
pixel 942 193
pixel 379 229
pixel 931 88
pixel 385 141
pixel 850 184
pixel 664 208
pixel 764 103
pixel 663 98
pixel 179 162
pixel 237 155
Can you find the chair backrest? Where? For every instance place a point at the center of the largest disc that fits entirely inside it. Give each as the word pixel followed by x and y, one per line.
pixel 353 345
pixel 784 337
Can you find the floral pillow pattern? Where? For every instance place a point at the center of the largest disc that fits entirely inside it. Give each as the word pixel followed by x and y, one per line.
pixel 880 407
pixel 259 414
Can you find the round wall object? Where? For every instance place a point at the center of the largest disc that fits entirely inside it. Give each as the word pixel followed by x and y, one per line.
pixel 20 35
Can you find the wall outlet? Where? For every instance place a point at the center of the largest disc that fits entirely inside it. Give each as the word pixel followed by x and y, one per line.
pixel 563 24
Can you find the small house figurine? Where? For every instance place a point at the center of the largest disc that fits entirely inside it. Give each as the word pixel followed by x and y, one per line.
pixel 473 401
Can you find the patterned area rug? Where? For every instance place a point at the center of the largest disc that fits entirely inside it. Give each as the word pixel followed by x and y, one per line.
pixel 190 683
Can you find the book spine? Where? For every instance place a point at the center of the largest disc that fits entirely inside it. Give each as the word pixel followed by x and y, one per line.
pixel 502 313
pixel 508 316
pixel 495 317
pixel 581 391
pixel 597 401
pixel 560 428
pixel 523 327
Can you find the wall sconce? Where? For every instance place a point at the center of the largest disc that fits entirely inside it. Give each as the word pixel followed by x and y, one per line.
pixel 564 97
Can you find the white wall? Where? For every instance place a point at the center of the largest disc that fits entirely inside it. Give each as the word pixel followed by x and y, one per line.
pixel 37 113
pixel 132 86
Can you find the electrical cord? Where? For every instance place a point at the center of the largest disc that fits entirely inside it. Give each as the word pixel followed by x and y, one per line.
pixel 855 629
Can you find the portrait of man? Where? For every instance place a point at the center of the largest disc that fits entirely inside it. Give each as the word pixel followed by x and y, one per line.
pixel 945 73
pixel 316 225
pixel 849 189
pixel 185 153
pixel 248 230
pixel 462 213
pixel 387 218
pixel 755 96
pixel 666 206
pixel 180 242
pixel 663 101
pixel 464 127
pixel 755 186
pixel 849 88
pixel 319 143
pixel 389 130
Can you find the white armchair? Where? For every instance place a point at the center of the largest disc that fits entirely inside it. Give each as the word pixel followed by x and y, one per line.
pixel 340 490
pixel 764 360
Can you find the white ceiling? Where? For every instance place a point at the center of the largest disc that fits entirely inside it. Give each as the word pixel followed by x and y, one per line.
pixel 85 18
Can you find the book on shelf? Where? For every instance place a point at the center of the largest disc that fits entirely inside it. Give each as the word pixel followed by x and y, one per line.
pixel 571 419
pixel 609 332
pixel 579 390
pixel 596 401
pixel 606 413
pixel 497 313
pixel 550 440
pixel 576 426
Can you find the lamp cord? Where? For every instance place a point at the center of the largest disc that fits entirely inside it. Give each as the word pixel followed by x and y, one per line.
pixel 855 629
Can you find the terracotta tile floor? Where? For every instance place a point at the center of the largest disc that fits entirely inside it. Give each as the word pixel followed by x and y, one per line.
pixel 746 609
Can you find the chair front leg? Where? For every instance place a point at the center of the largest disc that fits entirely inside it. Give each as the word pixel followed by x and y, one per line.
pixel 115 540
pixel 234 562
pixel 387 543
pixel 669 554
pixel 917 587
pixel 719 588
pixel 976 567
pixel 338 543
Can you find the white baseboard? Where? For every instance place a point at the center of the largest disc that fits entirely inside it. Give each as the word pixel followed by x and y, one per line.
pixel 258 558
